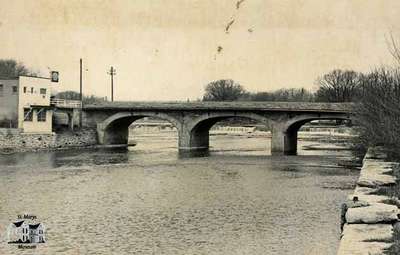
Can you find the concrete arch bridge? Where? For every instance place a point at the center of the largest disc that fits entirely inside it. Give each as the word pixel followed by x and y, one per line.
pixel 194 120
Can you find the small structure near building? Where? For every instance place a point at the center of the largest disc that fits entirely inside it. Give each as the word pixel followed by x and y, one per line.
pixel 25 104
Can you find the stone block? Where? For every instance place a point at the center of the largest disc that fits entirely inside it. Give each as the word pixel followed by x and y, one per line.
pixel 360 239
pixel 374 213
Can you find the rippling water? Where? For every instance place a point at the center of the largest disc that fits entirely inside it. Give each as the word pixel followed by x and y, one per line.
pixel 148 201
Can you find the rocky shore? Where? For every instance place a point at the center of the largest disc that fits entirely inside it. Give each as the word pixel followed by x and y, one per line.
pixel 12 140
pixel 371 215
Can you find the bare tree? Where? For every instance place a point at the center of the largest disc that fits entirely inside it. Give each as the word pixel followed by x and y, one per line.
pixel 223 90
pixel 10 68
pixel 378 112
pixel 393 48
pixel 338 86
pixel 284 95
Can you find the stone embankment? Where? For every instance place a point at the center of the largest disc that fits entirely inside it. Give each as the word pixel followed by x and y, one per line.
pixel 12 140
pixel 371 215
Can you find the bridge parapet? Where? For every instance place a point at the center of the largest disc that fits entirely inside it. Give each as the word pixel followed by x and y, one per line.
pixel 243 106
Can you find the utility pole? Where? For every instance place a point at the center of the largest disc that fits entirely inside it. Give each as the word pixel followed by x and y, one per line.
pixel 112 72
pixel 80 92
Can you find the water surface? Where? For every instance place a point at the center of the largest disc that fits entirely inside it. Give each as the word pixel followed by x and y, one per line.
pixel 146 200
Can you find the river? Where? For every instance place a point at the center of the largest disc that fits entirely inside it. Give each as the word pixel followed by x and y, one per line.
pixel 147 200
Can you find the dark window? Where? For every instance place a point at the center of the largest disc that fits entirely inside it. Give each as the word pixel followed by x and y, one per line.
pixel 43 91
pixel 1 90
pixel 14 89
pixel 28 114
pixel 24 89
pixel 31 90
pixel 41 116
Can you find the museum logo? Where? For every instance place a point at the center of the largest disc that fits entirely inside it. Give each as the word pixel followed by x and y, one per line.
pixel 26 232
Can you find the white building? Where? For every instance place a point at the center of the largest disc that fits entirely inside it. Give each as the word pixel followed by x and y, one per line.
pixel 18 232
pixel 21 232
pixel 25 104
pixel 36 233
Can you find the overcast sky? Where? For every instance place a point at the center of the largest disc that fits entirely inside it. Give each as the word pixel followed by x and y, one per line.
pixel 168 49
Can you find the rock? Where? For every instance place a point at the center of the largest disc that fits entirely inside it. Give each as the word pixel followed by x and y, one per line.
pixel 364 194
pixel 376 153
pixel 365 239
pixel 376 180
pixel 374 213
pixel 363 191
pixel 375 174
pixel 379 163
pixel 370 199
pixel 369 232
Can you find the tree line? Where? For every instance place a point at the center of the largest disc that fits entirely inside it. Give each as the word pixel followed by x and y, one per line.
pixel 335 86
pixel 376 96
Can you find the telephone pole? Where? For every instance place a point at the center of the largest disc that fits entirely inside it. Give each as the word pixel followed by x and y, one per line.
pixel 80 92
pixel 112 72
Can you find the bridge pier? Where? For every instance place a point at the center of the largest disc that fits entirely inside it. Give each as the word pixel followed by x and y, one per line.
pixel 193 143
pixel 283 142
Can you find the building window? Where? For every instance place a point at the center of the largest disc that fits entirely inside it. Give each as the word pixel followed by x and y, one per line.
pixel 43 91
pixel 31 90
pixel 1 90
pixel 28 114
pixel 24 89
pixel 41 115
pixel 14 90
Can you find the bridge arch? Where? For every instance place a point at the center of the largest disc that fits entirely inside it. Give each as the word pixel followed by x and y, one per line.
pixel 115 129
pixel 284 134
pixel 197 138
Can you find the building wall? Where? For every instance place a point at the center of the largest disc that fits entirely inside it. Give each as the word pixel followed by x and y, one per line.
pixel 34 91
pixel 8 103
pixel 36 126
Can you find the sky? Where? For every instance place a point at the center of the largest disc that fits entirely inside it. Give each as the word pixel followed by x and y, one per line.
pixel 170 50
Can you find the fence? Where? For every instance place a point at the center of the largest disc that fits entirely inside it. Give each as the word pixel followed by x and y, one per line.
pixel 64 103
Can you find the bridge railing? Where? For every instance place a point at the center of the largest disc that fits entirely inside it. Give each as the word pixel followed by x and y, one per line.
pixel 65 103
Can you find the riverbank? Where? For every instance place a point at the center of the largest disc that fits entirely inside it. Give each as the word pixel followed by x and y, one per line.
pixel 12 140
pixel 371 215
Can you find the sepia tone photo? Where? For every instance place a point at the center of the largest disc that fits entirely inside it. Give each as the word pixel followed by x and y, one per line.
pixel 188 127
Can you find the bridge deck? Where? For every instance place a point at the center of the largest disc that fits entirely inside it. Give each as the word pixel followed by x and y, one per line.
pixel 235 106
